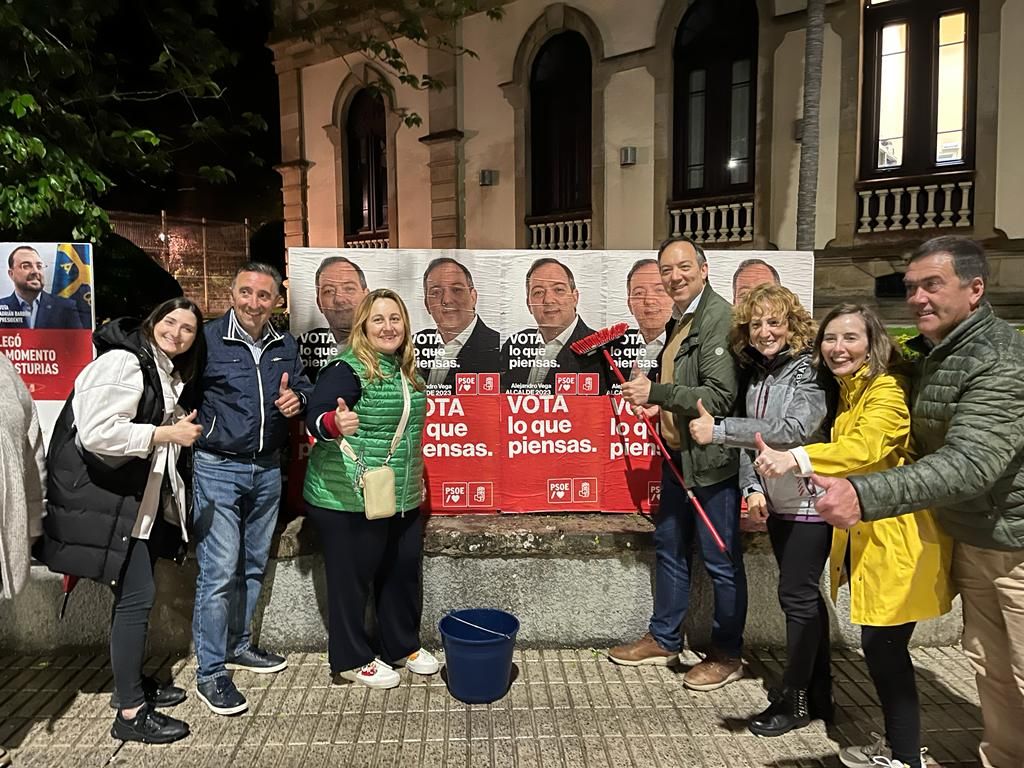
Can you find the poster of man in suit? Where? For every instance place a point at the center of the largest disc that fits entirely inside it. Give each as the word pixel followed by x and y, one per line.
pixel 46 318
pixel 532 357
pixel 460 341
pixel 29 305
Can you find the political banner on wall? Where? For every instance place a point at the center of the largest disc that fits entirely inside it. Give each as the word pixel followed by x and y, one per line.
pixel 516 421
pixel 46 318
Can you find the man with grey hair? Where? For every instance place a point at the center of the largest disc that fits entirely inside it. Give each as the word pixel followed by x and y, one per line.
pixel 251 385
pixel 967 426
pixel 340 286
pixel 750 274
pixel 461 342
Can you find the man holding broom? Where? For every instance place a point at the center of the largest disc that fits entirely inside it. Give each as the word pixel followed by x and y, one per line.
pixel 694 365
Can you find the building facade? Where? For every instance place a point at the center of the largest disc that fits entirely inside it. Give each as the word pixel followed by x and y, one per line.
pixel 605 124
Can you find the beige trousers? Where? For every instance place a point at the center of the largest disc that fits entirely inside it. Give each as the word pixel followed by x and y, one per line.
pixel 991 585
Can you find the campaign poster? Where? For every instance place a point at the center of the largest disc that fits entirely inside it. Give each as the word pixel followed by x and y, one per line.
pixel 516 421
pixel 46 318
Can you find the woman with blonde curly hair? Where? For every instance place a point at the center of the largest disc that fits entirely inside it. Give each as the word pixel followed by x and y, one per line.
pixel 772 336
pixel 367 411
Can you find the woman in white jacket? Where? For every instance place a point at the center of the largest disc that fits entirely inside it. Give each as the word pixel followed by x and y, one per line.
pixel 116 500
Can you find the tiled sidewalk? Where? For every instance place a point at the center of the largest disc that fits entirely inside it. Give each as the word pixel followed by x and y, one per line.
pixel 566 708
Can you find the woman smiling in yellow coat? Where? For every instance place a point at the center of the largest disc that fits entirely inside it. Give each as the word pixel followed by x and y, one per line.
pixel 898 568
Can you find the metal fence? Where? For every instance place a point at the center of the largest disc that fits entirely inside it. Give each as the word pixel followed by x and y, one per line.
pixel 201 254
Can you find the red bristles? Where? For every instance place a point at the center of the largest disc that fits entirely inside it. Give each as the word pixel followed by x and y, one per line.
pixel 599 340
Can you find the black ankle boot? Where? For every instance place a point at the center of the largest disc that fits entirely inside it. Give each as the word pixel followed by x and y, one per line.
pixel 820 703
pixel 786 712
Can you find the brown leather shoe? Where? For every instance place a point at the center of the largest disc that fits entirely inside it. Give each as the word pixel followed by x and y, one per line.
pixel 643 651
pixel 715 671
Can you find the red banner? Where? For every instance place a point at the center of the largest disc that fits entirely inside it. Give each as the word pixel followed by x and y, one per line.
pixel 48 360
pixel 524 453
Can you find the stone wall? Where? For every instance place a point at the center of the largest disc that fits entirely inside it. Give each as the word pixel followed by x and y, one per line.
pixel 573 580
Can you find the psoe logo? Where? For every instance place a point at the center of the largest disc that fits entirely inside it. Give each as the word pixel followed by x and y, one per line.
pixel 480 494
pixel 587 384
pixel 454 495
pixel 654 494
pixel 565 383
pixel 487 383
pixel 584 490
pixel 560 491
pixel 465 383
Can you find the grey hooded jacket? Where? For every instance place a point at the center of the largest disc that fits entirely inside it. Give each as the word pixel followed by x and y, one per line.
pixel 786 404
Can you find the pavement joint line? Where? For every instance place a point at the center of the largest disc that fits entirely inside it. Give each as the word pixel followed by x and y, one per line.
pixel 551 701
pixel 601 671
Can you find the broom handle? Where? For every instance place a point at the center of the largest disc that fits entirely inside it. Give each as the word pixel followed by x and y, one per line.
pixel 672 465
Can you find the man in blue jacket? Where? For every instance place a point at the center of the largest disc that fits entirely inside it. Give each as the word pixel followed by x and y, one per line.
pixel 251 385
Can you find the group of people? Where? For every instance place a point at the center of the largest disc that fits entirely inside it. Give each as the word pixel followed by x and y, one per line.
pixel 905 476
pixel 174 433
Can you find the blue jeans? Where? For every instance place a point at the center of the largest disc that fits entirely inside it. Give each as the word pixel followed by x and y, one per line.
pixel 234 511
pixel 676 526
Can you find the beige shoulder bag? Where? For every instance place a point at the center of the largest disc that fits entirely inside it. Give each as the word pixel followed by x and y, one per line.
pixel 377 484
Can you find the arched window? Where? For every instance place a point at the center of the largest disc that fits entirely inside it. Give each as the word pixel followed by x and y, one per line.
pixel 366 176
pixel 920 86
pixel 714 99
pixel 560 132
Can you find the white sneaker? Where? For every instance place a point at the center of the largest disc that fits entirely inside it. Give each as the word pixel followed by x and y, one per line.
pixel 886 762
pixel 877 753
pixel 376 674
pixel 422 662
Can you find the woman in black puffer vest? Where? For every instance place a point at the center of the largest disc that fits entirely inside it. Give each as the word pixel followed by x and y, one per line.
pixel 116 498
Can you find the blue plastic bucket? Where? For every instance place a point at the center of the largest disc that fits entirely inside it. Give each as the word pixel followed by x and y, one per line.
pixel 478 658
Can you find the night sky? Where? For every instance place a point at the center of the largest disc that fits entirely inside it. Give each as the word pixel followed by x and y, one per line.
pixel 250 87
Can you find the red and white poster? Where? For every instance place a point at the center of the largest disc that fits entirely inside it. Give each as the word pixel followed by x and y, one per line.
pixel 516 422
pixel 47 319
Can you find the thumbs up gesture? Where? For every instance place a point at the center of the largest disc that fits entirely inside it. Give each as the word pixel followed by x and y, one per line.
pixel 702 428
pixel 183 432
pixel 287 401
pixel 345 420
pixel 772 463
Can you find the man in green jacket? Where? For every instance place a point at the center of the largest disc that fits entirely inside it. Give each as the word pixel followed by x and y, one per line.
pixel 967 421
pixel 694 365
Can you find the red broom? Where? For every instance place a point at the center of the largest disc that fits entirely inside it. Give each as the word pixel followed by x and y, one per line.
pixel 600 341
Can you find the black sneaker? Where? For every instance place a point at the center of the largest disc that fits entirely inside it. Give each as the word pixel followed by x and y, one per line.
pixel 149 727
pixel 221 696
pixel 255 660
pixel 157 694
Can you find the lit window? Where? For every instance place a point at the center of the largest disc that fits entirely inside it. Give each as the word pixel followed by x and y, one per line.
pixel 919 86
pixel 892 95
pixel 949 136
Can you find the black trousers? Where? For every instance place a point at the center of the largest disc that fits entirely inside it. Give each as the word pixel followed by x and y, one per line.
pixel 801 550
pixel 886 650
pixel 360 556
pixel 129 622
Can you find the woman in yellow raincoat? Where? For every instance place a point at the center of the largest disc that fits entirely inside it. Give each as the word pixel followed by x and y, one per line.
pixel 898 568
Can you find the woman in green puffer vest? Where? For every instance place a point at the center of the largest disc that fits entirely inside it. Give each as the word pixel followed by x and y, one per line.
pixel 359 399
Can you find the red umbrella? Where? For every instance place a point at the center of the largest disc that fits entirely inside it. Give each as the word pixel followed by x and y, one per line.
pixel 66 587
